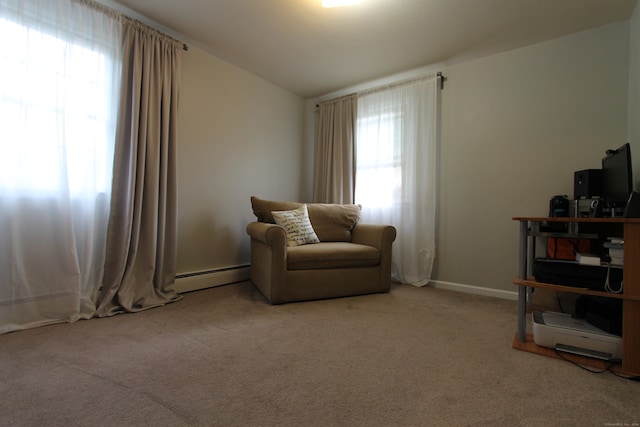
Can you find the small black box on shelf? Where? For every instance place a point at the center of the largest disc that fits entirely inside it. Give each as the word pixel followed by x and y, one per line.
pixel 587 183
pixel 632 209
pixel 574 274
pixel 601 312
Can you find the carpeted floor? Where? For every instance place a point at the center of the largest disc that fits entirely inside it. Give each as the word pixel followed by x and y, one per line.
pixel 223 357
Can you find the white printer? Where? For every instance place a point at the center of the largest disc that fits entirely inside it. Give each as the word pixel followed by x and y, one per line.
pixel 564 333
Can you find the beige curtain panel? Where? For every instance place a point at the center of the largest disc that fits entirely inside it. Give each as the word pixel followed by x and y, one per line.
pixel 140 264
pixel 335 168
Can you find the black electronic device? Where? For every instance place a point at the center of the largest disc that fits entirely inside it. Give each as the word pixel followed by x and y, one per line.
pixel 587 184
pixel 601 312
pixel 632 210
pixel 559 206
pixel 595 209
pixel 574 274
pixel 617 178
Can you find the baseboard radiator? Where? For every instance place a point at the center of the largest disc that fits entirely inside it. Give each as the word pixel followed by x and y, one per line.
pixel 197 280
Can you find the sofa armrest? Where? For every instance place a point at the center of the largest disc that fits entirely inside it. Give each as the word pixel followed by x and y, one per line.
pixel 269 234
pixel 377 235
pixel 268 269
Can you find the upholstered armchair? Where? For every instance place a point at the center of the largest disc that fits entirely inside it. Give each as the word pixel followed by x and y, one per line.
pixel 314 251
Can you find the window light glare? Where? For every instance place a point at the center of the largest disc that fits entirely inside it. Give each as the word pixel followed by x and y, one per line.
pixel 339 3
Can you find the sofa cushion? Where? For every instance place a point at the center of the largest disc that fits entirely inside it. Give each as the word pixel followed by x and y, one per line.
pixel 326 255
pixel 331 222
pixel 262 208
pixel 297 225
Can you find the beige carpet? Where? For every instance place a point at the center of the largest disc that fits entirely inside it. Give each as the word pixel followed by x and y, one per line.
pixel 223 357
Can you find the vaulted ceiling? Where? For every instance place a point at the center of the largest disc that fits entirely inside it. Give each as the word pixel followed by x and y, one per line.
pixel 311 51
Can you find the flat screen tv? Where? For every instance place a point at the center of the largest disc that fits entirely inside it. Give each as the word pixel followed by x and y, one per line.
pixel 617 176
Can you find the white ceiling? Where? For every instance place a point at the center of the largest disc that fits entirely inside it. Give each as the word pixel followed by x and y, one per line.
pixel 313 51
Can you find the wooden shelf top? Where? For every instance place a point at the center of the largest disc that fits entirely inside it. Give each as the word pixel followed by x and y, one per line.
pixel 572 219
pixel 571 289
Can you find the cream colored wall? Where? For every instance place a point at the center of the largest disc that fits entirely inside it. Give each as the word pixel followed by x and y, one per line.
pixel 515 127
pixel 239 135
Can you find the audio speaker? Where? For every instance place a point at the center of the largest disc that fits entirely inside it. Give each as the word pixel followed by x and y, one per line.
pixel 587 183
pixel 632 210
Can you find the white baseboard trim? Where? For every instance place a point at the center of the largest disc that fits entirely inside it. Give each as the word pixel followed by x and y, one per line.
pixel 458 287
pixel 198 280
pixel 195 281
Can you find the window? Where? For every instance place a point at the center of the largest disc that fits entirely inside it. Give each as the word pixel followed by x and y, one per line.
pixel 396 139
pixel 57 117
pixel 59 93
pixel 378 159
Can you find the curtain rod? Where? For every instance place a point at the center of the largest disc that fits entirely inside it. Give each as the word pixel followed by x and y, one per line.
pixel 124 17
pixel 336 99
pixel 391 85
pixel 404 82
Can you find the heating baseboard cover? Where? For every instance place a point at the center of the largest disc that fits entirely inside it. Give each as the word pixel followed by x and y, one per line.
pixel 187 282
pixel 564 333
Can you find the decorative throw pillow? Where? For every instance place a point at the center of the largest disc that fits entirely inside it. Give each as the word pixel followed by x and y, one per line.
pixel 262 208
pixel 297 225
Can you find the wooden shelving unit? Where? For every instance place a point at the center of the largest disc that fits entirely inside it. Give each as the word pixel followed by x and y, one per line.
pixel 530 228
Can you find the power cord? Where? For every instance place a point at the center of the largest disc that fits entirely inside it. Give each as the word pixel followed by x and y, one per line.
pixel 609 364
pixel 559 302
pixel 607 283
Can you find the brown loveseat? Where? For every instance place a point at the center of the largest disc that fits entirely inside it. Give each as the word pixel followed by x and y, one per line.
pixel 350 258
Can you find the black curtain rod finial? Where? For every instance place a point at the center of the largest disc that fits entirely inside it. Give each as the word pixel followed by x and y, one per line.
pixel 442 79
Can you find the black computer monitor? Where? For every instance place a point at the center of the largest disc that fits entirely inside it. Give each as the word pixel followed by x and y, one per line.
pixel 617 176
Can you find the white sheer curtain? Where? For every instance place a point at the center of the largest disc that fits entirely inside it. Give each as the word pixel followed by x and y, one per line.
pixel 396 141
pixel 59 93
